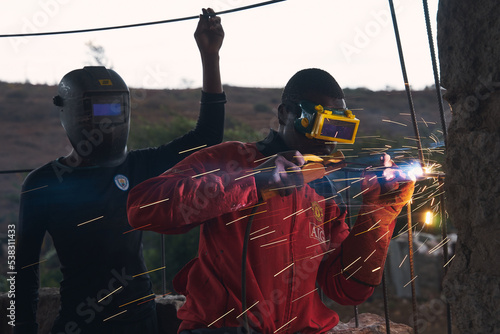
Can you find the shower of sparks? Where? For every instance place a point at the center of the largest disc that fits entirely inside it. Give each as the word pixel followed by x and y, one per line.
pixel 133 301
pixel 238 219
pixel 439 245
pixel 322 254
pixel 109 294
pixel 449 261
pixel 259 236
pixel 273 243
pixel 251 174
pixel 282 270
pixel 305 295
pixel 370 255
pixel 212 171
pixel 247 309
pixel 89 221
pixel 27 191
pixel 192 149
pixel 157 202
pixel 284 325
pixel 410 281
pixel 222 316
pixel 115 315
pixel 146 272
pixel 33 264
pixel 136 229
pixel 404 259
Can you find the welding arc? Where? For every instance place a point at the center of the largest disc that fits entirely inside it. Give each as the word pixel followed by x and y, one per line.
pixel 260 4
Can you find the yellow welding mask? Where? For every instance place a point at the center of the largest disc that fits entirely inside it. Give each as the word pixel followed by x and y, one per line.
pixel 336 125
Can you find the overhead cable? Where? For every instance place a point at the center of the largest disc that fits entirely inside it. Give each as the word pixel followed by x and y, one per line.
pixel 260 4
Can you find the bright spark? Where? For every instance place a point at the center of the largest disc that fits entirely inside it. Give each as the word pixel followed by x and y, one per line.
pixel 29 265
pixel 428 218
pixel 382 236
pixel 439 245
pixel 136 300
pixel 27 191
pixel 404 259
pixel 284 325
pixel 148 271
pixel 321 254
pixel 265 158
pixel 370 255
pixel 192 149
pixel 410 281
pixel 212 171
pixel 272 243
pixel 222 316
pixel 247 309
pixel 259 236
pixel 262 229
pixel 282 270
pixel 354 273
pixel 136 229
pixel 376 269
pixel 89 221
pixel 242 177
pixel 115 315
pixel 160 201
pixel 352 263
pixel 449 261
pixel 109 294
pixel 305 295
pixel 234 221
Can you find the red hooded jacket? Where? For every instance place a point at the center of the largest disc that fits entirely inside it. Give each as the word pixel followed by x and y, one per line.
pixel 294 245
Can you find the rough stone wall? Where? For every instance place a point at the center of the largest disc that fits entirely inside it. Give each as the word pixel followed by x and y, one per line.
pixel 469 52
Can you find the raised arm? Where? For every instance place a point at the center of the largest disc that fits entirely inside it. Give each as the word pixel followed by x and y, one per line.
pixel 209 36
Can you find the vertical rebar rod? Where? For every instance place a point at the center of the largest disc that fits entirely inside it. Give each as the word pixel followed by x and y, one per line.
pixel 407 85
pixel 444 236
pixel 164 271
pixel 349 223
pixel 412 270
pixel 386 303
pixel 437 82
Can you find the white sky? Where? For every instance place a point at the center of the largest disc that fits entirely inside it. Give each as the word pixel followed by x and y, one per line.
pixel 352 39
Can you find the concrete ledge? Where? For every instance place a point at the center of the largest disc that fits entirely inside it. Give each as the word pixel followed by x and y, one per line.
pixel 167 307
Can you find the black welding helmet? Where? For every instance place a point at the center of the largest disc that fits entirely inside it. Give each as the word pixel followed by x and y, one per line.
pixel 94 105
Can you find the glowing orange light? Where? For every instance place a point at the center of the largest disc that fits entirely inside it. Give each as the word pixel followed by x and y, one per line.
pixel 428 218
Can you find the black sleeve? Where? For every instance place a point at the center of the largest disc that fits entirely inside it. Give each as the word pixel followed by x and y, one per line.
pixel 30 233
pixel 209 131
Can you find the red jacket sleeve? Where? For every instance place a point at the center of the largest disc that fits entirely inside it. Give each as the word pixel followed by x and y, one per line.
pixel 205 185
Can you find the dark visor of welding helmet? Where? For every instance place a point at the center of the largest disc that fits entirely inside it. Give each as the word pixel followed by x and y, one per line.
pixel 336 125
pixel 108 107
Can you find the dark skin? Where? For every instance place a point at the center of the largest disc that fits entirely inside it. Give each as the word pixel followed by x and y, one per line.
pixel 281 171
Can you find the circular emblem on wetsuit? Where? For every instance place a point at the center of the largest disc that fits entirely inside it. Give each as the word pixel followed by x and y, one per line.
pixel 121 182
pixel 317 211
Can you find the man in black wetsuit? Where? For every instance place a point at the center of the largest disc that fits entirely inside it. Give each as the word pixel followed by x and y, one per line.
pixel 81 200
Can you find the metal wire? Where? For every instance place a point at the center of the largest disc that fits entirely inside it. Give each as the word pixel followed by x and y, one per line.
pixel 412 270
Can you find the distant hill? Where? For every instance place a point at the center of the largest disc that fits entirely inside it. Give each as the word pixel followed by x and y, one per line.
pixel 32 135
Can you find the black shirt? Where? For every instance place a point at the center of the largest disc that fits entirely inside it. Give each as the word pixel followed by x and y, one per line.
pixel 84 210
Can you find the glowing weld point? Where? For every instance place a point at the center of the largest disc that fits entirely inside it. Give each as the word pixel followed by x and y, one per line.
pixel 114 315
pixel 231 310
pixel 247 309
pixel 160 201
pixel 428 218
pixel 89 221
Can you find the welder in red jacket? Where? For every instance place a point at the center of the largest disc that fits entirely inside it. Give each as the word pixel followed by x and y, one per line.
pixel 298 240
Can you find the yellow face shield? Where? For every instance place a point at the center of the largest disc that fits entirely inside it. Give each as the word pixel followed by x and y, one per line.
pixel 336 125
